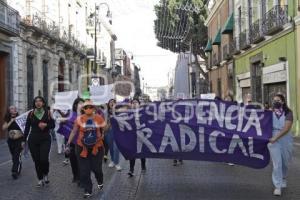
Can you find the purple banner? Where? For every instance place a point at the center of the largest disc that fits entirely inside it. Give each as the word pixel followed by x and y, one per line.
pixel 195 130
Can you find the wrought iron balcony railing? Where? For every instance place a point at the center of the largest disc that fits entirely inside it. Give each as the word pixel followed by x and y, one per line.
pixel 274 19
pixel 234 47
pixel 9 20
pixel 256 32
pixel 47 26
pixel 244 40
pixel 42 23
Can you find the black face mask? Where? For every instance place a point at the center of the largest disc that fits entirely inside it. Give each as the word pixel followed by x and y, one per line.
pixel 277 104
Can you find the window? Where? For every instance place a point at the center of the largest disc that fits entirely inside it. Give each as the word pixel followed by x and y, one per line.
pixel 239 19
pixel 61 68
pixel 219 87
pixel 70 75
pixel 230 7
pixel 45 80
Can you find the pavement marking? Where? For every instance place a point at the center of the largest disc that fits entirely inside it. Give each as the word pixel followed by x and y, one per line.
pixel 5 163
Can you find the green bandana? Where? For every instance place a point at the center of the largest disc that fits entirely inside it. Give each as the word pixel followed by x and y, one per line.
pixel 39 113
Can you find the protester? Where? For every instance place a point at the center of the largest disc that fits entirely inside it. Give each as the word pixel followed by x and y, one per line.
pixel 14 140
pixel 65 130
pixel 89 148
pixel 58 116
pixel 281 143
pixel 39 123
pixel 135 105
pixel 113 149
pixel 229 98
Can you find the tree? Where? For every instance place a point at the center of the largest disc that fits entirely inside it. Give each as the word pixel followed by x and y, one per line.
pixel 180 26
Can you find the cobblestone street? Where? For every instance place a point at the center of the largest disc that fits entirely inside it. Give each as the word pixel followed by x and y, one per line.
pixel 192 180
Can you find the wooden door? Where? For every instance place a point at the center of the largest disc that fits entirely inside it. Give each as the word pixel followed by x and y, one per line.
pixel 3 94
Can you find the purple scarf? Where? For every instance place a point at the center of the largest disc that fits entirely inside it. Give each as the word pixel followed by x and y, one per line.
pixel 65 128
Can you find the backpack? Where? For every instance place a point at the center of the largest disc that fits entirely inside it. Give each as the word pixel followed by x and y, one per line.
pixel 90 134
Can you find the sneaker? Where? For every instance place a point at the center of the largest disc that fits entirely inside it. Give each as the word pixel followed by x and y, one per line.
pixel 66 162
pixel 175 163
pixel 284 183
pixel 46 180
pixel 100 186
pixel 118 168
pixel 40 183
pixel 111 164
pixel 87 195
pixel 181 162
pixel 130 174
pixel 105 158
pixel 15 176
pixel 230 164
pixel 277 192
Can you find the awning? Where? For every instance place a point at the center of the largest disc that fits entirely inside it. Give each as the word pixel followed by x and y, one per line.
pixel 217 39
pixel 208 47
pixel 228 28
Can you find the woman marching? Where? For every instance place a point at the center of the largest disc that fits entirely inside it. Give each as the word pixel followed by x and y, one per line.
pixel 135 103
pixel 109 137
pixel 281 143
pixel 39 122
pixel 14 141
pixel 89 148
pixel 65 130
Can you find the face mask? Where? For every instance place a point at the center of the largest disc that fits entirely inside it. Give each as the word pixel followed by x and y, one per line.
pixel 277 104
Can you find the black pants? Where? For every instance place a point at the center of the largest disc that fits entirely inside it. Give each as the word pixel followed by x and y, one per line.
pixel 15 148
pixel 92 163
pixel 106 147
pixel 40 149
pixel 132 163
pixel 74 162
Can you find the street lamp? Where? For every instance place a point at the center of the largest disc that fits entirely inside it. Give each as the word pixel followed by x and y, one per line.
pixel 95 15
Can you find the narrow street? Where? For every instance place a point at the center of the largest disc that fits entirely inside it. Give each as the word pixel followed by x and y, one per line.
pixel 192 180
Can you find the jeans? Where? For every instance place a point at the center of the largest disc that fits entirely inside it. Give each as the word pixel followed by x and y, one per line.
pixel 15 148
pixel 113 149
pixel 281 153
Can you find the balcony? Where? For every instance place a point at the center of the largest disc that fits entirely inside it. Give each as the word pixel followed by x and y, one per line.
pixel 234 47
pixel 275 19
pixel 9 20
pixel 244 40
pixel 226 53
pixel 41 23
pixel 256 32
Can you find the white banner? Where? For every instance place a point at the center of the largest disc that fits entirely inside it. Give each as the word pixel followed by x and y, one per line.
pixel 208 96
pixel 102 94
pixel 64 100
pixel 21 120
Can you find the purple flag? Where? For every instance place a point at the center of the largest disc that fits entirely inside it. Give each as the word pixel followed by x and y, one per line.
pixel 195 130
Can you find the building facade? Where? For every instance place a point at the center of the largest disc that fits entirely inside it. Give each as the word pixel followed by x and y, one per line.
pixel 265 63
pixel 9 30
pixel 219 48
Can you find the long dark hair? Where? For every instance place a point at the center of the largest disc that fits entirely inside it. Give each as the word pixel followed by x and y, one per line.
pixel 285 108
pixel 7 116
pixel 75 104
pixel 109 110
pixel 43 100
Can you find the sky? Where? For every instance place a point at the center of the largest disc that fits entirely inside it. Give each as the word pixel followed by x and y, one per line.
pixel 133 23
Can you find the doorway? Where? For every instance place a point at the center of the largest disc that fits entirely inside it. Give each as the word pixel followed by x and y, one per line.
pixel 3 89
